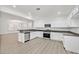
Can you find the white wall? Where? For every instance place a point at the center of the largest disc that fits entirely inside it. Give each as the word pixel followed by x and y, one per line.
pixel 75 25
pixel 0 22
pixel 5 19
pixel 55 22
pixel 59 22
pixel 76 21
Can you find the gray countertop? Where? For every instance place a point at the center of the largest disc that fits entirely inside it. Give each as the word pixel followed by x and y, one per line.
pixel 65 31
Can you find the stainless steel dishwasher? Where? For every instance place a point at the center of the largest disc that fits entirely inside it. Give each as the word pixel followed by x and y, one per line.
pixel 26 36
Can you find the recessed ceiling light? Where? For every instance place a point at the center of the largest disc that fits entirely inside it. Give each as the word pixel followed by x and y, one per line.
pixel 58 12
pixel 14 6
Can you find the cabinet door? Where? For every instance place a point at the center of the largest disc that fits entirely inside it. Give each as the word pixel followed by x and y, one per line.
pixel 39 34
pixel 35 34
pixel 26 36
pixel 57 36
pixel 32 35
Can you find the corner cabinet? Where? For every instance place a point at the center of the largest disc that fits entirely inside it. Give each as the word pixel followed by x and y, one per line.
pixel 36 34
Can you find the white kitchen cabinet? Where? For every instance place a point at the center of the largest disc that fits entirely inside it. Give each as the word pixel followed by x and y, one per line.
pixel 71 43
pixel 57 36
pixel 22 37
pixel 36 34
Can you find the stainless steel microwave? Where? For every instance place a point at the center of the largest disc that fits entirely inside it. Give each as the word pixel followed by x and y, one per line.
pixel 47 25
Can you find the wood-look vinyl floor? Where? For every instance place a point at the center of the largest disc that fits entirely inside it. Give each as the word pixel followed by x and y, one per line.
pixel 9 45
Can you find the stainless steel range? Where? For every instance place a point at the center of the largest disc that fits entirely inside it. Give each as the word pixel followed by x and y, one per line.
pixel 46 33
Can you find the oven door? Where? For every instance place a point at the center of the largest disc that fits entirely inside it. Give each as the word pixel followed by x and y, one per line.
pixel 46 35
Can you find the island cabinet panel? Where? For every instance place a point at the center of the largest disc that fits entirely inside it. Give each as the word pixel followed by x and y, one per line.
pixel 57 36
pixel 36 34
pixel 23 37
pixel 71 43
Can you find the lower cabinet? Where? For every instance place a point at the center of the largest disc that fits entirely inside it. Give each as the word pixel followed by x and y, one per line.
pixel 71 43
pixel 53 35
pixel 36 34
pixel 57 36
pixel 22 37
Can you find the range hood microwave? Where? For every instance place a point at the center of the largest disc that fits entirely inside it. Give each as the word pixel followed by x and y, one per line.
pixel 47 25
pixel 47 33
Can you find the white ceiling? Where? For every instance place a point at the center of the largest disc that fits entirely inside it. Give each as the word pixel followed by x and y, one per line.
pixel 46 11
